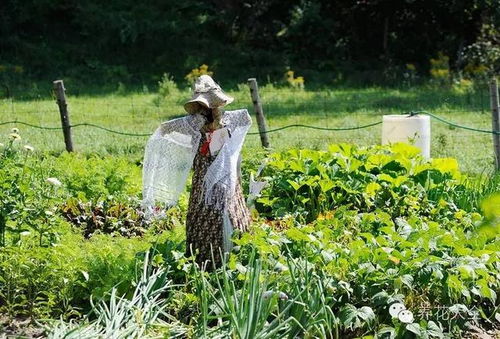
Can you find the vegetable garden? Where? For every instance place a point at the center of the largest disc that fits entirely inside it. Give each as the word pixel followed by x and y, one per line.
pixel 348 241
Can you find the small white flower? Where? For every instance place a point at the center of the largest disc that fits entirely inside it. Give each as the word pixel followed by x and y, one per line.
pixel 270 294
pixel 395 308
pixel 279 267
pixel 405 316
pixel 29 148
pixel 14 136
pixel 53 181
pixel 1 145
pixel 15 130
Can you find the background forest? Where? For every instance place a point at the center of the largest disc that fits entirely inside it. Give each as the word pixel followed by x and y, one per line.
pixel 364 42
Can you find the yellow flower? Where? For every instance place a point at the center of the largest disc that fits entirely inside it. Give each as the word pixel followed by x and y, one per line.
pixel 440 73
pixel 410 67
pixel 297 82
pixel 197 72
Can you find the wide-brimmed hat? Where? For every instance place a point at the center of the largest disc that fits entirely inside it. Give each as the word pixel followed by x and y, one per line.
pixel 208 94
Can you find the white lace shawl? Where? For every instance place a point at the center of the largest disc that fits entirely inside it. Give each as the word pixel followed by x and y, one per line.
pixel 169 156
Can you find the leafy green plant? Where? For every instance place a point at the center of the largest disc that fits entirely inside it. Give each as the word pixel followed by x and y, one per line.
pixel 93 177
pixel 307 183
pixel 27 197
pixel 120 317
pixel 246 312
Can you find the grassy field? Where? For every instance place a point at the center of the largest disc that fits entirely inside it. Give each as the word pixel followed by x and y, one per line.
pixel 142 112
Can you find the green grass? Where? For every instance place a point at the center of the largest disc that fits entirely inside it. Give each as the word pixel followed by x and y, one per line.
pixel 142 112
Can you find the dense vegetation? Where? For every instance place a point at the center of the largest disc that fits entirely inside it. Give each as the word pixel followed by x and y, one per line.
pixel 355 234
pixel 103 43
pixel 349 240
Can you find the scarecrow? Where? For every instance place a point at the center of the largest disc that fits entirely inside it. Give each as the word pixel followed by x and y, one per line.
pixel 209 140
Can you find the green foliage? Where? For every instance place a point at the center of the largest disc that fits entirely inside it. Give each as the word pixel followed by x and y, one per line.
pixel 27 197
pixel 245 311
pixel 307 183
pixel 126 41
pixel 120 317
pixel 347 233
pixel 40 282
pixel 94 177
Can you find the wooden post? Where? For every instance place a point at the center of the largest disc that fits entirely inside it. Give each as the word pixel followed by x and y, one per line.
pixel 257 105
pixel 495 121
pixel 59 91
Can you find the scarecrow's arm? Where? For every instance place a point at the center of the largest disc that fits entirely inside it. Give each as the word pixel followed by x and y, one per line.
pixel 238 118
pixel 168 158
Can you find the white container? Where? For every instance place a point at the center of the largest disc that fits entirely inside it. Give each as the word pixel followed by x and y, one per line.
pixel 415 130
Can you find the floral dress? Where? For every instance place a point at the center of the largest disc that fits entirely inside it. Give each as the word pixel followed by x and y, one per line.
pixel 216 204
pixel 204 223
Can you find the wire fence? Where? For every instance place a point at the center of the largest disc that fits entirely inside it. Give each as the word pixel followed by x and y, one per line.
pixel 461 123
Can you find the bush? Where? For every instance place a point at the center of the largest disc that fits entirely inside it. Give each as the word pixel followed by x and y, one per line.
pixel 40 282
pixel 307 183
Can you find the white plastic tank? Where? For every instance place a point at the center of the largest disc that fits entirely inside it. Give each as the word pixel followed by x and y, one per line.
pixel 415 130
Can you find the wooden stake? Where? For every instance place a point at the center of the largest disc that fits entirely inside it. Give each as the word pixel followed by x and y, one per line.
pixel 495 121
pixel 59 91
pixel 257 105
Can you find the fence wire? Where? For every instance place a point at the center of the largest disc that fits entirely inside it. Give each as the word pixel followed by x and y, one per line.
pixel 461 124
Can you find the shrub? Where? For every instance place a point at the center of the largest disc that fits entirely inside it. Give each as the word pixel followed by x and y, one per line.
pixel 196 73
pixel 167 87
pixel 40 282
pixel 440 69
pixel 307 183
pixel 294 82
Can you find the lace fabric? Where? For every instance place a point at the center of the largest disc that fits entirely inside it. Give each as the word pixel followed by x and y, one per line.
pixel 169 157
pixel 222 175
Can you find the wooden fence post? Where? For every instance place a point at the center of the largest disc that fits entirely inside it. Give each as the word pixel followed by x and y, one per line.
pixel 59 91
pixel 495 121
pixel 257 105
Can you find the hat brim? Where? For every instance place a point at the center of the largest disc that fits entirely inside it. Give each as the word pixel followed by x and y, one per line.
pixel 200 99
pixel 193 105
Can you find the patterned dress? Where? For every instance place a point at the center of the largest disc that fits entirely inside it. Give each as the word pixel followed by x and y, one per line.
pixel 204 224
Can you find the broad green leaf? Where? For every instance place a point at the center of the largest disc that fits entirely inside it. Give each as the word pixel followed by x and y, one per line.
pixel 347 315
pixel 372 188
pixel 296 186
pixel 446 165
pixel 326 185
pixel 387 330
pixel 366 313
pixel 297 235
pixel 485 290
pixel 414 328
pixel 405 149
pixel 434 330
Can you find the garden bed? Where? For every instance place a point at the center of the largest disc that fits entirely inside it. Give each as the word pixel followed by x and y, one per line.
pixel 341 237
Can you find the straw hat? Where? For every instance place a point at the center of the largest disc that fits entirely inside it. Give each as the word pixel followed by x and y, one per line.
pixel 207 93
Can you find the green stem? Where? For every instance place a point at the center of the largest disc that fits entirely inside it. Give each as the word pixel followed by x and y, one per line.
pixel 3 224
